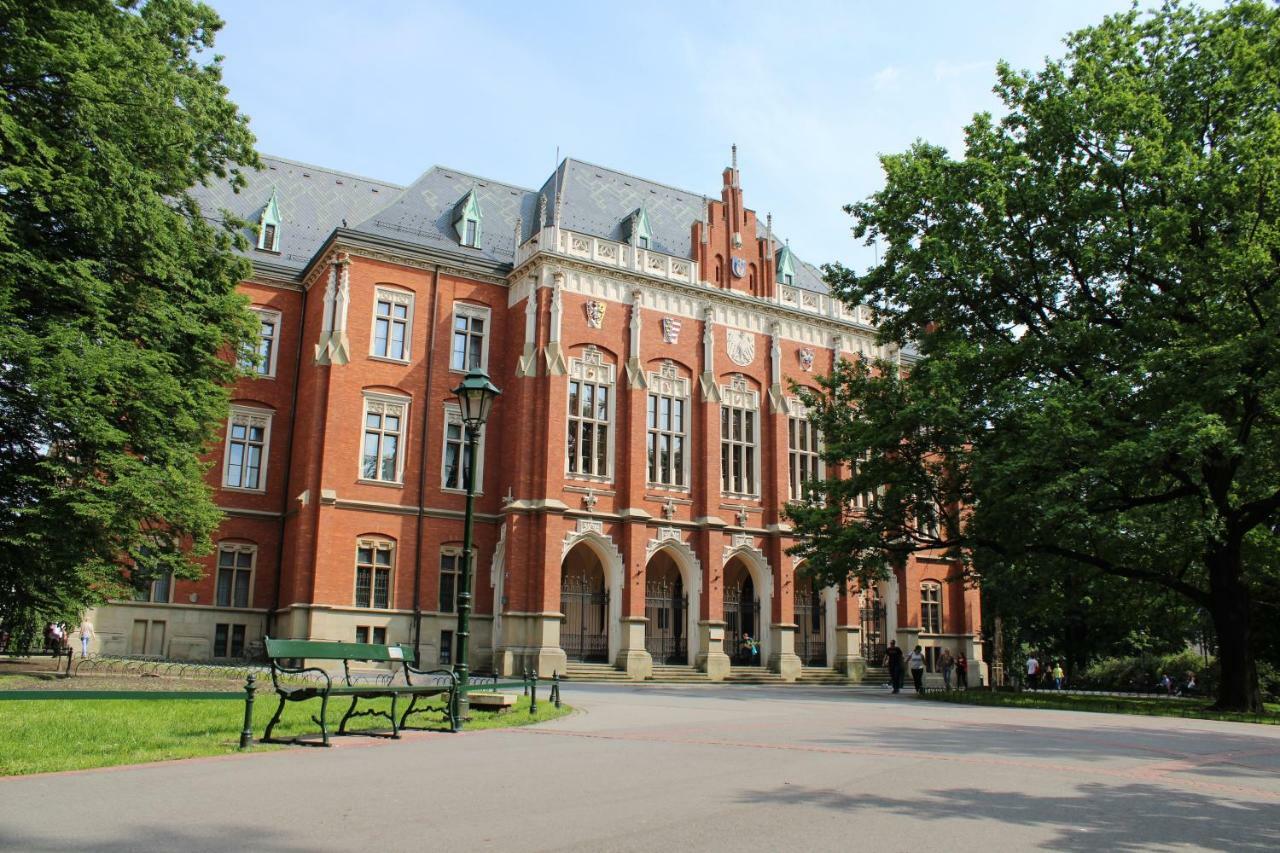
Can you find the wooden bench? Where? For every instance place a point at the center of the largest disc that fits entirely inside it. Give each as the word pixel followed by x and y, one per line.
pixel 283 652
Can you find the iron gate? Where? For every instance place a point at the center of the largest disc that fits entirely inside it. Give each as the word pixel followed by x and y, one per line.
pixel 811 635
pixel 667 608
pixel 872 621
pixel 742 617
pixel 585 634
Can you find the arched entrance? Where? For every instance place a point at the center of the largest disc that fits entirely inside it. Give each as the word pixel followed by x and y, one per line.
pixel 873 625
pixel 584 601
pixel 666 605
pixel 741 614
pixel 811 632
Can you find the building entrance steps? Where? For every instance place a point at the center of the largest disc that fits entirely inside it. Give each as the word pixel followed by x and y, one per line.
pixel 575 671
pixel 822 675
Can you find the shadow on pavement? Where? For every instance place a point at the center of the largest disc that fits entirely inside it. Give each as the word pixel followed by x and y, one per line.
pixel 158 837
pixel 1102 817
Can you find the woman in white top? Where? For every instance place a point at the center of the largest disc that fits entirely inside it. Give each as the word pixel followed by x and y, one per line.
pixel 916 661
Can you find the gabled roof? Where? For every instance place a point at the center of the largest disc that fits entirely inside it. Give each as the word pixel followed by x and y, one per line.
pixel 312 201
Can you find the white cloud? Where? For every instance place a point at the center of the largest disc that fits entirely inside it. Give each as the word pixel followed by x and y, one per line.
pixel 885 78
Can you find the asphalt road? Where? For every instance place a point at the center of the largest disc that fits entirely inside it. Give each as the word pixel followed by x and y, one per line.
pixel 698 768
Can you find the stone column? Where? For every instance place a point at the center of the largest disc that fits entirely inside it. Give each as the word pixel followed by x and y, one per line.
pixel 782 656
pixel 849 660
pixel 633 658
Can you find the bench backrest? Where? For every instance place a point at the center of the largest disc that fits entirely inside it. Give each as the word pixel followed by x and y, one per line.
pixel 322 650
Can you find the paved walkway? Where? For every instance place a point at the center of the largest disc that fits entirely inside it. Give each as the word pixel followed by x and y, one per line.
pixel 698 768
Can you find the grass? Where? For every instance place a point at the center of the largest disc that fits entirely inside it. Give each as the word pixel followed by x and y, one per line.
pixel 1151 706
pixel 72 734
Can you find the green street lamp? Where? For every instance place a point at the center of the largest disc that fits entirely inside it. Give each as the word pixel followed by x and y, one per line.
pixel 475 398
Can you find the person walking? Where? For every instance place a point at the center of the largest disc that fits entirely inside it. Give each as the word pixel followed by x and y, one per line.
pixel 893 660
pixel 86 635
pixel 1058 675
pixel 962 672
pixel 947 662
pixel 1033 669
pixel 916 661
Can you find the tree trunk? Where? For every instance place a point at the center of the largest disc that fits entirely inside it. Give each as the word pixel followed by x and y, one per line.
pixel 1230 607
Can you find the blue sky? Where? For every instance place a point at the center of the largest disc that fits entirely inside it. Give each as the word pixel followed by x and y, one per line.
pixel 810 92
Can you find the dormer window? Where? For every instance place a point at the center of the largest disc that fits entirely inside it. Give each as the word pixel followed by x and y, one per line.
pixel 635 229
pixel 468 220
pixel 269 225
pixel 786 265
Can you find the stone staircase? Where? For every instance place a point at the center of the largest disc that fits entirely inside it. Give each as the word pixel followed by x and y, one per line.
pixel 755 675
pixel 821 675
pixel 576 671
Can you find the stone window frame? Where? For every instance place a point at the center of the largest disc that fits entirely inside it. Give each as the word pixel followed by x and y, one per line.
pixel 592 369
pixel 375 544
pixel 384 403
pixel 248 416
pixel 930 607
pixel 803 460
pixel 392 296
pixel 234 547
pixel 453 418
pixel 225 649
pixel 266 368
pixel 470 310
pixel 737 396
pixel 668 383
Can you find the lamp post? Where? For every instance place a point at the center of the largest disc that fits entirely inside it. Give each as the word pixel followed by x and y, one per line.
pixel 475 399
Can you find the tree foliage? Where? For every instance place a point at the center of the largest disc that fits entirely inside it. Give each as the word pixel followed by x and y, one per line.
pixel 117 299
pixel 1092 289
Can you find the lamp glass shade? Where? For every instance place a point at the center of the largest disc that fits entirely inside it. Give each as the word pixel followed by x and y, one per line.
pixel 475 398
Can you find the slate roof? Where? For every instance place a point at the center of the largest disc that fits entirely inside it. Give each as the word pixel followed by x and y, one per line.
pixel 595 200
pixel 422 214
pixel 313 201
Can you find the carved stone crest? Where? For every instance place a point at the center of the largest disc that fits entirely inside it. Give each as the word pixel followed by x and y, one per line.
pixel 670 330
pixel 741 346
pixel 595 313
pixel 806 359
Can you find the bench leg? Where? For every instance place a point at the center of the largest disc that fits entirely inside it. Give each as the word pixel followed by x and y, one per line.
pixel 342 727
pixel 395 730
pixel 413 701
pixel 452 708
pixel 324 713
pixel 266 736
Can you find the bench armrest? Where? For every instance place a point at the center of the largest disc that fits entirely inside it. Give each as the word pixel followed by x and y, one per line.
pixel 452 676
pixel 280 669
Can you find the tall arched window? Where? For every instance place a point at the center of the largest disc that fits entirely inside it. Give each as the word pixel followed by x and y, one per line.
pixel 931 607
pixel 375 565
pixel 590 441
pixel 668 424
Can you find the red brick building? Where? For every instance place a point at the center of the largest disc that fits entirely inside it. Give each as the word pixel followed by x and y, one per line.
pixel 632 475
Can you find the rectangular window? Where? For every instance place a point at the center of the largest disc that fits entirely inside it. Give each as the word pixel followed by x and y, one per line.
pixel 862 500
pixel 269 238
pixel 666 422
pixel 804 462
pixel 374 559
pixel 384 422
pixel 392 320
pixel 470 348
pixel 446 647
pixel 376 635
pixel 235 575
pixel 931 608
pixel 588 440
pixel 362 633
pixel 248 434
pixel 261 358
pixel 737 450
pixel 156 591
pixel 450 571
pixel 469 237
pixel 228 641
pixel 457 456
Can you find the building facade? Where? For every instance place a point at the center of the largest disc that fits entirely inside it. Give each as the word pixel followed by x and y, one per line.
pixel 631 479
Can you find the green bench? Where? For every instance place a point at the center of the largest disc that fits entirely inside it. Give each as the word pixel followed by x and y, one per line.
pixel 282 653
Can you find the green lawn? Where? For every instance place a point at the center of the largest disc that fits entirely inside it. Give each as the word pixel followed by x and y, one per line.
pixel 71 734
pixel 1152 706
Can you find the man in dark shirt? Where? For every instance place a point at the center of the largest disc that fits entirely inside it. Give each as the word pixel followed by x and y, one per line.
pixel 893 660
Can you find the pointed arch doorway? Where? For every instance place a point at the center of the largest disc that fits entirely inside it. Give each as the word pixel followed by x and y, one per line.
pixel 584 601
pixel 741 614
pixel 667 610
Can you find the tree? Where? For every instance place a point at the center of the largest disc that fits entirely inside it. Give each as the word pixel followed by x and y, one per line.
pixel 1092 291
pixel 117 298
